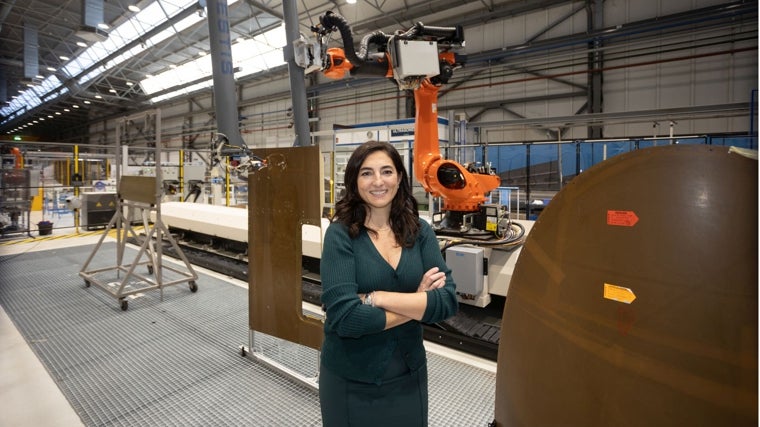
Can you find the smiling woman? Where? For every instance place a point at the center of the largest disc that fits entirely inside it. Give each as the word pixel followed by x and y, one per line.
pixel 382 277
pixel 378 183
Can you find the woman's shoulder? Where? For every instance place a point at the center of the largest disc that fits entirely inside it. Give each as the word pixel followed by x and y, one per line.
pixel 338 229
pixel 424 224
pixel 423 220
pixel 425 230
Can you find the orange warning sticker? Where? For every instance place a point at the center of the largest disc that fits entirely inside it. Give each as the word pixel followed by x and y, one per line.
pixel 618 293
pixel 622 218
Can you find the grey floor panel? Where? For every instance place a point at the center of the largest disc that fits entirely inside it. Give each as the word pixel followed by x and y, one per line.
pixel 460 395
pixel 175 361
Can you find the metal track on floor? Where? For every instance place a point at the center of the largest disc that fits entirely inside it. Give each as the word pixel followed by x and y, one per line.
pixel 177 361
pixel 473 330
pixel 17 240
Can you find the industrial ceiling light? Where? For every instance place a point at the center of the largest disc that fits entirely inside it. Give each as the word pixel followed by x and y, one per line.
pixel 351 1
pixel 133 8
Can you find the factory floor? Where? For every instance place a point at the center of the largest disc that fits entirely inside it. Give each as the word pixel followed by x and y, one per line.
pixel 35 392
pixel 28 394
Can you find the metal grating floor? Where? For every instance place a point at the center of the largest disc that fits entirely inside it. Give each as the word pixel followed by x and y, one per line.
pixel 176 362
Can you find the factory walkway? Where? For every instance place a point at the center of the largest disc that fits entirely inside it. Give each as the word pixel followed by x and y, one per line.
pixel 72 357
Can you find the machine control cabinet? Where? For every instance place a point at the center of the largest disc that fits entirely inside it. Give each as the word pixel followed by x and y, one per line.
pixel 97 208
pixel 466 264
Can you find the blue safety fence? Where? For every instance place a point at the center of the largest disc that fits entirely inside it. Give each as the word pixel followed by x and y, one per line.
pixel 540 169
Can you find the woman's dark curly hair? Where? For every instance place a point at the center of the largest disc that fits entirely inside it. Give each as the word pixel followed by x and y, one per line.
pixel 352 211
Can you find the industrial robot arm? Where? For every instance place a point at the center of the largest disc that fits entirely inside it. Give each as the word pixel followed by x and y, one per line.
pixel 420 59
pixel 18 159
pixel 238 160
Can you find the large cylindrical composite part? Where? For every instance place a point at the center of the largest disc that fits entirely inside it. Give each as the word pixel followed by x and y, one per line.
pixel 635 301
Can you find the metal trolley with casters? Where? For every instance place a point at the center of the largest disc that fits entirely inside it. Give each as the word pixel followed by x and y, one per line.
pixel 136 193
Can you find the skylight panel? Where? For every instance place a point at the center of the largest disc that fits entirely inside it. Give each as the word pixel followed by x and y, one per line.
pixel 125 32
pixel 49 84
pixel 254 55
pixel 184 91
pixel 98 50
pixel 132 29
pixel 261 53
pixel 183 74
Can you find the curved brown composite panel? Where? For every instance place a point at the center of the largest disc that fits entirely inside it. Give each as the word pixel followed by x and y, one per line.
pixel 634 301
pixel 282 197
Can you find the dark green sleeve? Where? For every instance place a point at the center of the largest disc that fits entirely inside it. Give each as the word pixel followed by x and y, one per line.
pixel 441 303
pixel 345 314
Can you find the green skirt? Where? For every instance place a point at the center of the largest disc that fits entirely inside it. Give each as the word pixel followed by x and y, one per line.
pixel 400 401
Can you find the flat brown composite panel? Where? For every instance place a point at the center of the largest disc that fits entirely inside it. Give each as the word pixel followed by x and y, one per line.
pixel 282 197
pixel 634 301
pixel 138 189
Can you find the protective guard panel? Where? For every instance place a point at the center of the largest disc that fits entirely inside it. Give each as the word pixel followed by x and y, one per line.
pixel 138 189
pixel 634 301
pixel 283 196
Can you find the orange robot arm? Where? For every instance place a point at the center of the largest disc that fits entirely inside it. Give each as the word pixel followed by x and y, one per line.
pixel 460 189
pixel 19 158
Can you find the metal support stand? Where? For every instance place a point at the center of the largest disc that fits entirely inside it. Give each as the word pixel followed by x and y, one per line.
pixel 249 351
pixel 149 254
pixel 143 193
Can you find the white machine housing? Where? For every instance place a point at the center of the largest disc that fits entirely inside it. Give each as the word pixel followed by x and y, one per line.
pixel 478 271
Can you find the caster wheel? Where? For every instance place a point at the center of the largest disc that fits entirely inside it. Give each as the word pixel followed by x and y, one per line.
pixel 150 269
pixel 193 286
pixel 124 305
pixel 86 283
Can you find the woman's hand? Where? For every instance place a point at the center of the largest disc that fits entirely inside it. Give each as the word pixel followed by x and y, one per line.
pixel 432 279
pixel 400 307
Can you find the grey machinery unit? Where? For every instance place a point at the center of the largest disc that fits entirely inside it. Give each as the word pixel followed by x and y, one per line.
pixel 467 269
pixel 97 208
pixel 15 201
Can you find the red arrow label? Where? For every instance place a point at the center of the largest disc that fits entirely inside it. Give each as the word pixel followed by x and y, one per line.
pixel 622 218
